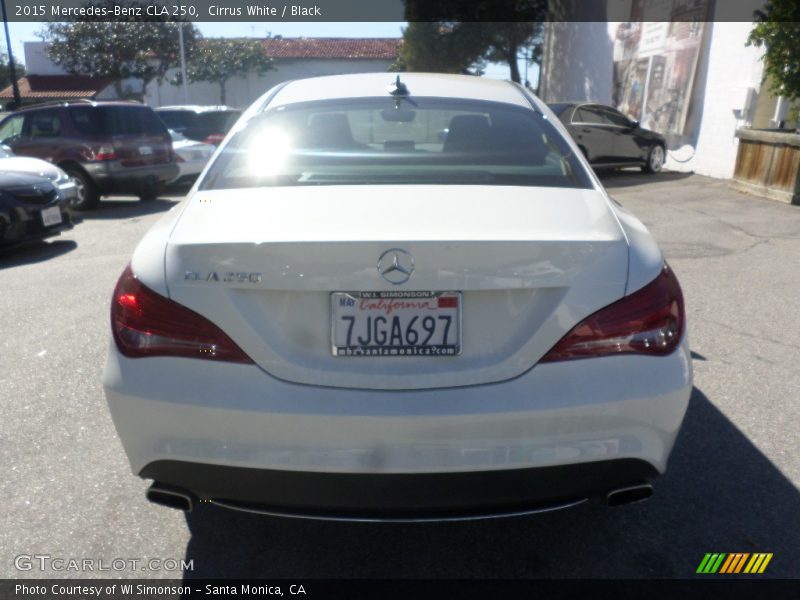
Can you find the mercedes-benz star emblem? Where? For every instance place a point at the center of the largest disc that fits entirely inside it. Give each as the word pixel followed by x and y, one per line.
pixel 396 265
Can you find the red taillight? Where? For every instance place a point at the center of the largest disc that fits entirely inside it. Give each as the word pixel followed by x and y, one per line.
pixel 145 323
pixel 214 139
pixel 105 153
pixel 649 321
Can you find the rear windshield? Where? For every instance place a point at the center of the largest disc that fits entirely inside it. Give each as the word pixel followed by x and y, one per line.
pixel 397 141
pixel 217 122
pixel 213 121
pixel 559 108
pixel 177 119
pixel 116 120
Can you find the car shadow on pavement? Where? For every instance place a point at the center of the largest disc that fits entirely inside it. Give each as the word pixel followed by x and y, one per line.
pixel 720 494
pixel 125 209
pixel 34 252
pixel 630 178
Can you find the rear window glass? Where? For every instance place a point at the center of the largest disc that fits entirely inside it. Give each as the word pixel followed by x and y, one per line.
pixel 116 120
pixel 177 119
pixel 559 108
pixel 217 122
pixel 393 141
pixel 588 115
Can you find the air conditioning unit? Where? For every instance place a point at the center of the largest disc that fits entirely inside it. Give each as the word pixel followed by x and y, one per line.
pixel 743 98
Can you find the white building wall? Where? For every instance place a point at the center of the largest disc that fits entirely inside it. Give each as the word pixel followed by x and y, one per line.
pixel 578 65
pixel 578 62
pixel 37 62
pixel 733 69
pixel 242 91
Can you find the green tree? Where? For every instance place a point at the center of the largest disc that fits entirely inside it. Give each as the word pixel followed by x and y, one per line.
pixel 217 60
pixel 506 41
pixel 466 44
pixel 5 72
pixel 118 50
pixel 777 30
pixel 440 47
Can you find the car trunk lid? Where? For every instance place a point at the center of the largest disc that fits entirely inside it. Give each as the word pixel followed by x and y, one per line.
pixel 529 264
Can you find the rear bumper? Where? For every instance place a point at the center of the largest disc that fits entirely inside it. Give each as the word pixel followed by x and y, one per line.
pixel 191 168
pixel 113 177
pixel 403 495
pixel 233 432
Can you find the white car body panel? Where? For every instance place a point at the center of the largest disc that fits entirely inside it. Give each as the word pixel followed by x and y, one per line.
pixel 536 251
pixel 148 257
pixel 645 258
pixel 194 155
pixel 531 263
pixel 419 84
pixel 559 413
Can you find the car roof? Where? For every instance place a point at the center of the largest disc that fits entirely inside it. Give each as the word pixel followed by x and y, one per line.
pixel 198 108
pixel 79 102
pixel 580 103
pixel 365 85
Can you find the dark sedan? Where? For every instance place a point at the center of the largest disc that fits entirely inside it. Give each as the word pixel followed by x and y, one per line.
pixel 609 139
pixel 31 208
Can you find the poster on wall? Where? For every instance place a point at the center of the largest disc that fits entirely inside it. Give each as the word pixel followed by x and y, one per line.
pixel 655 59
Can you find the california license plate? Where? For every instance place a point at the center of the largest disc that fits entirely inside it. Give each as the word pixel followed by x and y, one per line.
pixel 396 323
pixel 51 216
pixel 145 150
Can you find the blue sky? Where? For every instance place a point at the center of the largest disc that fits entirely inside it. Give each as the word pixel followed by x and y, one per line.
pixel 21 32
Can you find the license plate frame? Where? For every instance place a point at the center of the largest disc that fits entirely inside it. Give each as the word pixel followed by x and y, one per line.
pixel 407 307
pixel 51 216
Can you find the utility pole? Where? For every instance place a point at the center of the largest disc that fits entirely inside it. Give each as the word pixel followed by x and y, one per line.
pixel 12 69
pixel 183 63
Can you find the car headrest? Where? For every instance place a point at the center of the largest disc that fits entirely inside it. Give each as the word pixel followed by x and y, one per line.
pixel 328 130
pixel 468 133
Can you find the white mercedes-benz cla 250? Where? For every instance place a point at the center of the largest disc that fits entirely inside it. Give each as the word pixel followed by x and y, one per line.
pixel 398 298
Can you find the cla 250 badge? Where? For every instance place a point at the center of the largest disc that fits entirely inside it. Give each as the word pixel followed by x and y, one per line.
pixel 227 277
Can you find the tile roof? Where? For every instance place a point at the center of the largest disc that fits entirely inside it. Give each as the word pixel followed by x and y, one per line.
pixel 302 47
pixel 57 87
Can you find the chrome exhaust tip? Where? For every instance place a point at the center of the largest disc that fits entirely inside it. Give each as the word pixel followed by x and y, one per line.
pixel 171 497
pixel 629 495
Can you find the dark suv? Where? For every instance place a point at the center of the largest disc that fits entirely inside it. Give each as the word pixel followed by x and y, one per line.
pixel 106 147
pixel 207 124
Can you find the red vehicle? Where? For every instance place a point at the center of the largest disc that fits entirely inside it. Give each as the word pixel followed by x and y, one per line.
pixel 105 147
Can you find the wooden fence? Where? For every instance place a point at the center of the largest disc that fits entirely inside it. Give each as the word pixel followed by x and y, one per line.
pixel 768 164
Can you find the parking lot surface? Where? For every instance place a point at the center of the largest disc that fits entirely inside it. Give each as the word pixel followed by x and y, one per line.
pixel 732 484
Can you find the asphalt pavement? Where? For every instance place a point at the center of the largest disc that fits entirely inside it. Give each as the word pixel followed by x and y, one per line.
pixel 732 483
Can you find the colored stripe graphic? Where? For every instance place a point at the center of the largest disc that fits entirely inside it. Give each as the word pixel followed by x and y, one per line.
pixel 765 563
pixel 758 563
pixel 744 558
pixel 711 562
pixel 734 562
pixel 727 564
pixel 738 562
pixel 703 563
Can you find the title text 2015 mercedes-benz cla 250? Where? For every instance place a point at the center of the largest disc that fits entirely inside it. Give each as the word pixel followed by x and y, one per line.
pixel 397 299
